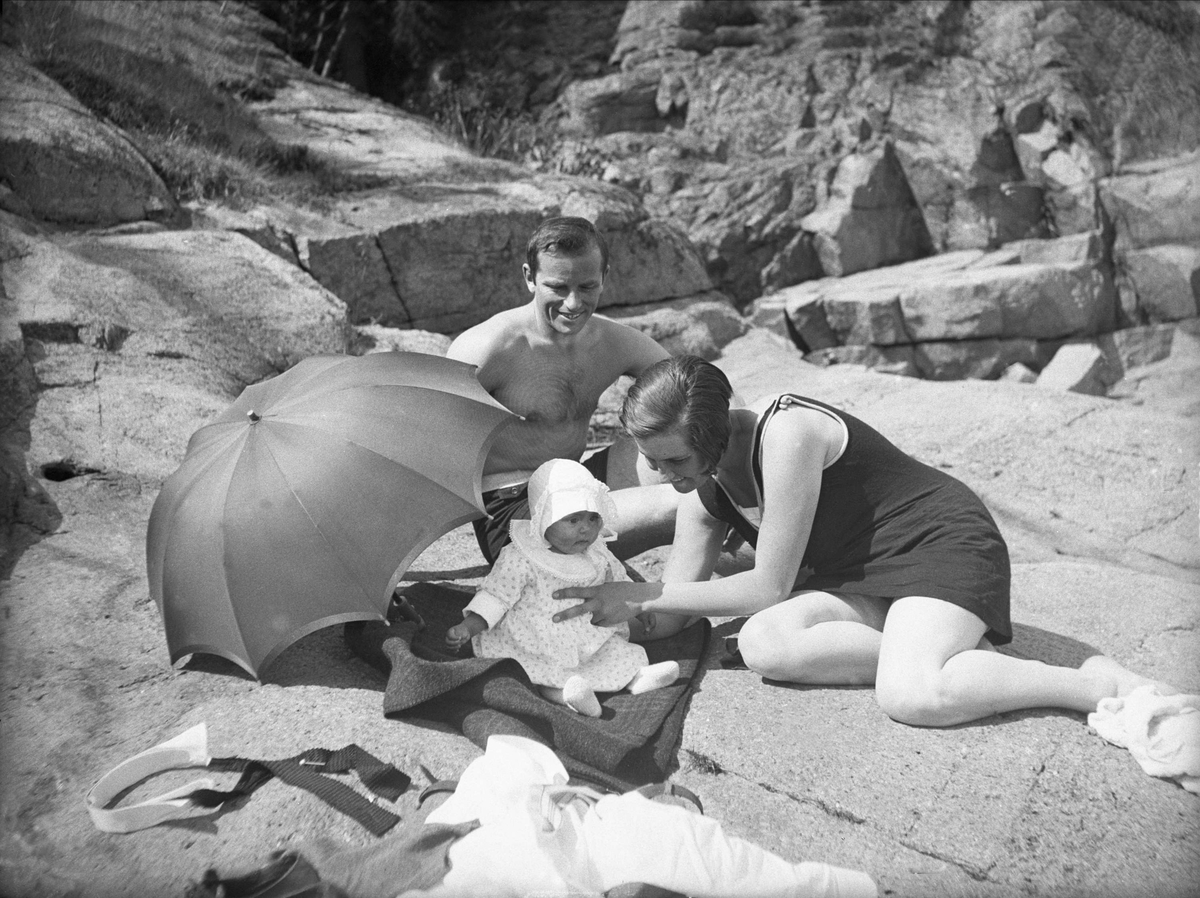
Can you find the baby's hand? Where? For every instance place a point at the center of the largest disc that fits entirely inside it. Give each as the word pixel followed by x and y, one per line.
pixel 458 636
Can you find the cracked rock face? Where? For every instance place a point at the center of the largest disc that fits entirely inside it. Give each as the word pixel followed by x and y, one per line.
pixel 998 132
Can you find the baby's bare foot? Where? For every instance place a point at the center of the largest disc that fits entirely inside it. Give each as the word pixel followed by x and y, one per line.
pixel 1112 679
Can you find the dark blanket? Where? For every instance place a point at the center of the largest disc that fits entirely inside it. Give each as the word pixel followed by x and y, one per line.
pixel 634 742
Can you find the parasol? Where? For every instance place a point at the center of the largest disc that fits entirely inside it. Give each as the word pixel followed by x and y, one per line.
pixel 302 504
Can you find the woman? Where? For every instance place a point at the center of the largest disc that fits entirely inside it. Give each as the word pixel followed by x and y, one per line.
pixel 870 567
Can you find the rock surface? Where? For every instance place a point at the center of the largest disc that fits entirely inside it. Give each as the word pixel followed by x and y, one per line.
pixel 1097 499
pixel 116 345
pixel 48 140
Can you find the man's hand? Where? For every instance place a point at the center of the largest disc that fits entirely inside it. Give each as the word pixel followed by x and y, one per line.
pixel 609 603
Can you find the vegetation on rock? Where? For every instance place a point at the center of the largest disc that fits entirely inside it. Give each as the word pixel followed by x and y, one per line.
pixel 134 63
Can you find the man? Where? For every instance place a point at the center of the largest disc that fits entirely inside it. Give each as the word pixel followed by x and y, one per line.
pixel 548 361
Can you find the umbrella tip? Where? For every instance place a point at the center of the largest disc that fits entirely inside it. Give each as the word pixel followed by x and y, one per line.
pixel 254 416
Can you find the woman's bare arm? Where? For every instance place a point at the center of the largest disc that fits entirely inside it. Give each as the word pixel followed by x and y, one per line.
pixel 797 446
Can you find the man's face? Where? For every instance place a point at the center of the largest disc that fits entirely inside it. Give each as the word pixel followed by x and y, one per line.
pixel 567 289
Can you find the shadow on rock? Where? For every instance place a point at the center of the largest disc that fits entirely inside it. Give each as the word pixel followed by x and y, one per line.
pixel 1052 648
pixel 30 514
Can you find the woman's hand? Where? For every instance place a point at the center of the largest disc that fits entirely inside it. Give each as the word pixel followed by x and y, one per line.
pixel 609 603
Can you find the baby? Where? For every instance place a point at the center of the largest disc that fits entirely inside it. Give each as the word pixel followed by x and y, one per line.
pixel 571 517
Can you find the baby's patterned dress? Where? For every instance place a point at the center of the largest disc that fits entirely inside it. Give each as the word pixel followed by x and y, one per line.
pixel 517 600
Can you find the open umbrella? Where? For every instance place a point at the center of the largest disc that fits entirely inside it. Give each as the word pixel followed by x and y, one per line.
pixel 303 503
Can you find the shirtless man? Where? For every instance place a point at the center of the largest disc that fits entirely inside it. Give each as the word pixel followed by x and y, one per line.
pixel 549 361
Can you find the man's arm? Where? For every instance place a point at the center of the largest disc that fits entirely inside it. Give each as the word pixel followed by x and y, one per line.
pixel 638 350
pixel 479 346
pixel 473 346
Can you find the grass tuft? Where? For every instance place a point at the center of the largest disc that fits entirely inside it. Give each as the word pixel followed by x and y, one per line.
pixel 177 86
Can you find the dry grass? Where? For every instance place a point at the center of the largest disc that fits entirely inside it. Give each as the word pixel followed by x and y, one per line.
pixel 174 76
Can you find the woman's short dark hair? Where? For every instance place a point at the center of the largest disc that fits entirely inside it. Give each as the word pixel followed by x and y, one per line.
pixel 683 392
pixel 567 236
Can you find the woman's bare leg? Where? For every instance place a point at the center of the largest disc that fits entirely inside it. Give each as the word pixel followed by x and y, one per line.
pixel 816 637
pixel 931 672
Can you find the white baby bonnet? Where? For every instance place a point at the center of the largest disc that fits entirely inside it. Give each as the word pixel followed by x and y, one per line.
pixel 561 487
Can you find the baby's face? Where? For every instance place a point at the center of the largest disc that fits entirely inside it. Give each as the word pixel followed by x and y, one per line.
pixel 573 534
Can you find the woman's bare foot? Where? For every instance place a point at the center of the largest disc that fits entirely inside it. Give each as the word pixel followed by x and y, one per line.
pixel 1112 679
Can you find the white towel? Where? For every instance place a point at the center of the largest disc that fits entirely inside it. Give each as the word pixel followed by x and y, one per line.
pixel 1161 731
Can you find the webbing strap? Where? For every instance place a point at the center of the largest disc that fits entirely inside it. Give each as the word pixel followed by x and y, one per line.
pixel 302 771
pixel 653 790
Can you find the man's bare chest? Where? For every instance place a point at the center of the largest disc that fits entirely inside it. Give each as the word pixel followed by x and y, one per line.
pixel 546 388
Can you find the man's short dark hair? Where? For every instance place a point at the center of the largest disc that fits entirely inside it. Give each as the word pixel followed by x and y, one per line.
pixel 567 236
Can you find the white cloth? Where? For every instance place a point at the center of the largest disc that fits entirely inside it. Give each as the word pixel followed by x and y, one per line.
pixel 590 846
pixel 1162 732
pixel 517 601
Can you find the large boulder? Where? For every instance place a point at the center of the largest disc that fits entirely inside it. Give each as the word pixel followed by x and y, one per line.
pixel 137 340
pixel 967 295
pixel 1155 202
pixel 443 257
pixel 959 158
pixel 1160 283
pixel 870 219
pixel 700 325
pixel 62 163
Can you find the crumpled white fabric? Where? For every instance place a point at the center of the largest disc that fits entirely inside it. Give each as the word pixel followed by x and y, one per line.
pixel 1162 732
pixel 527 845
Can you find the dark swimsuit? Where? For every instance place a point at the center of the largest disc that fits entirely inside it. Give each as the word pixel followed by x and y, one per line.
pixel 889 526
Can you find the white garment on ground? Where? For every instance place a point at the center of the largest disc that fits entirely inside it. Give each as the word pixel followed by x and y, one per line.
pixel 517 601
pixel 1162 732
pixel 585 850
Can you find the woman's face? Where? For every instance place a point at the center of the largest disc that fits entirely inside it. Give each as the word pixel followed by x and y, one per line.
pixel 669 454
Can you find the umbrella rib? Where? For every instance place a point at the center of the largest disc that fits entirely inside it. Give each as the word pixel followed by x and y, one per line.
pixel 471 393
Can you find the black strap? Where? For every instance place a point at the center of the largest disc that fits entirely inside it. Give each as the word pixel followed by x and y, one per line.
pixel 306 771
pixel 653 790
pixel 435 788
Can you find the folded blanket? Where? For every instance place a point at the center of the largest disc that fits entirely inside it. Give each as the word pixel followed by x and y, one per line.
pixel 634 742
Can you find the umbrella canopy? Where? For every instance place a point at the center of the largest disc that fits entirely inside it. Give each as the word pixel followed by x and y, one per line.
pixel 302 504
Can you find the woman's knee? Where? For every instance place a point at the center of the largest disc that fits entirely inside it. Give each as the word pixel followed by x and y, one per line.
pixel 918 698
pixel 759 645
pixel 770 650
